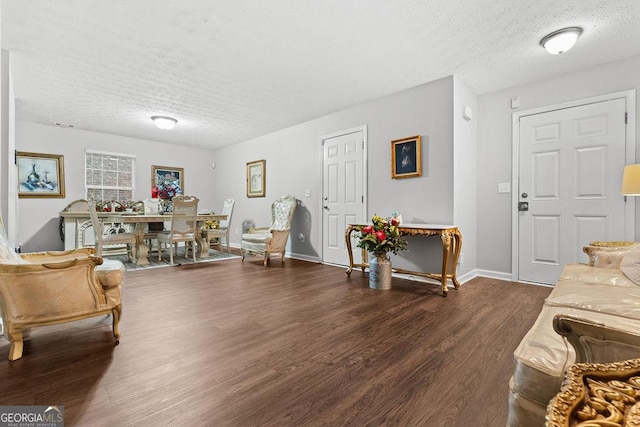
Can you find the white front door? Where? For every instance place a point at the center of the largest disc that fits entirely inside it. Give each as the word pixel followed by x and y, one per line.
pixel 570 168
pixel 343 201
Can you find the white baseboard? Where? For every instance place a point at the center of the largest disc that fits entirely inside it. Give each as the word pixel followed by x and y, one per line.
pixel 494 274
pixel 303 257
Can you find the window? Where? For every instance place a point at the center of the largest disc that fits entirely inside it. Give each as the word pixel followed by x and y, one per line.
pixel 109 176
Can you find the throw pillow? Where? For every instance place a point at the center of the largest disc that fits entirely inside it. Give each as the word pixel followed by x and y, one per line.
pixel 630 265
pixel 7 254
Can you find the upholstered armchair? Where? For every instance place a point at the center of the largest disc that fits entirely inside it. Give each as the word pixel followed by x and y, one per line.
pixel 47 288
pixel 271 240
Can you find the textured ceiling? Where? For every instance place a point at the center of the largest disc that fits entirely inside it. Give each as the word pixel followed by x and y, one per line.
pixel 232 71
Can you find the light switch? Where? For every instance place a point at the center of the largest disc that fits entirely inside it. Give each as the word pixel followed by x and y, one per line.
pixel 515 102
pixel 504 187
pixel 307 193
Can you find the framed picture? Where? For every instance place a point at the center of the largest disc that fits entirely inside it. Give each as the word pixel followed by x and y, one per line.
pixel 406 157
pixel 256 178
pixel 40 175
pixel 167 181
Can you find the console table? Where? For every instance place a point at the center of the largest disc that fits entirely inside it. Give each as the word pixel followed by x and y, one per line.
pixel 451 245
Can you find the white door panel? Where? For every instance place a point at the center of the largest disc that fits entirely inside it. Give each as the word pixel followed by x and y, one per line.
pixel 343 188
pixel 571 163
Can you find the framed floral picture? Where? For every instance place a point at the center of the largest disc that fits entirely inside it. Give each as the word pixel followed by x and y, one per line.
pixel 40 175
pixel 406 157
pixel 256 178
pixel 166 181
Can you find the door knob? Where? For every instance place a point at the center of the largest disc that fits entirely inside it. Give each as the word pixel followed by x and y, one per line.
pixel 326 207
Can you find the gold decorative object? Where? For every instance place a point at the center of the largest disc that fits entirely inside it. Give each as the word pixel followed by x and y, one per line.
pixel 598 394
pixel 451 246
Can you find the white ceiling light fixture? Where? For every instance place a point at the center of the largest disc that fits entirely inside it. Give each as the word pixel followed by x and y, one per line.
pixel 164 122
pixel 562 40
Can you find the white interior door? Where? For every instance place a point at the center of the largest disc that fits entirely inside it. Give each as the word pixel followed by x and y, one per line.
pixel 571 163
pixel 343 192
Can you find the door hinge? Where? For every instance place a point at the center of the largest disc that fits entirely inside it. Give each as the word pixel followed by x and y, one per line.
pixel 626 118
pixel 362 198
pixel 15 157
pixel 362 144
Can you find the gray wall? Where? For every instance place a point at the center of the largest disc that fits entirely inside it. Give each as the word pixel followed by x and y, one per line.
pixel 38 218
pixel 294 163
pixel 494 145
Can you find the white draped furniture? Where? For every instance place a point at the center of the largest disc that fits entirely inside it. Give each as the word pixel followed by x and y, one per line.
pixel 271 240
pixel 607 305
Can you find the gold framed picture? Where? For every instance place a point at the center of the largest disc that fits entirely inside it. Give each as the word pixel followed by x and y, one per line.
pixel 406 157
pixel 167 181
pixel 40 175
pixel 256 178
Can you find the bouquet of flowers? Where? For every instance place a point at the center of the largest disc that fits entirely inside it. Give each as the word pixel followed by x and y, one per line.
pixel 168 187
pixel 382 236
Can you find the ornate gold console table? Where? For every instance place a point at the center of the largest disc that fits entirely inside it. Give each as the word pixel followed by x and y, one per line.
pixel 598 394
pixel 451 246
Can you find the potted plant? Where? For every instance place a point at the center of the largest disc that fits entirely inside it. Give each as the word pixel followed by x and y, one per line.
pixel 380 238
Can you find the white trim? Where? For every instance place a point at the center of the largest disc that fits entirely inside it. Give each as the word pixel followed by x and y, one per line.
pixel 630 154
pixel 302 257
pixel 499 275
pixel 365 204
pixel 109 153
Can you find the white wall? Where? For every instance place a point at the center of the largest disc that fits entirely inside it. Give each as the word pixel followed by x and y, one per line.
pixel 494 145
pixel 294 163
pixel 38 217
pixel 465 166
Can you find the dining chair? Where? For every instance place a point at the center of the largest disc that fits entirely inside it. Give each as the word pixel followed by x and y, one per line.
pixel 152 228
pixel 116 236
pixel 183 227
pixel 222 232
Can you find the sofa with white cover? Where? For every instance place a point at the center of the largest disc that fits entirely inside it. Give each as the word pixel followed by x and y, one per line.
pixel 604 294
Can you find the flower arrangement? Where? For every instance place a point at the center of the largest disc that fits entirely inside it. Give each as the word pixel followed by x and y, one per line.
pixel 382 236
pixel 211 224
pixel 168 187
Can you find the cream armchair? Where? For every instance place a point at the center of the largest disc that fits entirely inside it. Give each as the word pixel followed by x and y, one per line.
pixel 272 240
pixel 47 288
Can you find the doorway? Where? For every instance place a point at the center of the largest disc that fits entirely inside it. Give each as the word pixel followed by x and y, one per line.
pixel 567 180
pixel 344 180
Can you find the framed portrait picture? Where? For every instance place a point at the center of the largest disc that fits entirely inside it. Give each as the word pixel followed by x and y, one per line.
pixel 167 181
pixel 256 178
pixel 40 175
pixel 406 157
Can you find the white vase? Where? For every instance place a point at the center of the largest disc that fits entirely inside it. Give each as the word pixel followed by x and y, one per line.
pixel 379 271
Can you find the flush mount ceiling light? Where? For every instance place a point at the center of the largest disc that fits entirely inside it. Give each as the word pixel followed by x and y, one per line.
pixel 164 122
pixel 561 40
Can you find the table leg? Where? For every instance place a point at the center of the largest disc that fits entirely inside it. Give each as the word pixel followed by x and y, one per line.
pixel 347 237
pixel 457 248
pixel 141 247
pixel 446 251
pixel 203 249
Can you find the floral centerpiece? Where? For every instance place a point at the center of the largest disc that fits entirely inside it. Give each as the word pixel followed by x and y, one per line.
pixel 382 236
pixel 211 224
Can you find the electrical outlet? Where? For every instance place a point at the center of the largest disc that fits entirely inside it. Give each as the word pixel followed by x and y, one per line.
pixel 504 187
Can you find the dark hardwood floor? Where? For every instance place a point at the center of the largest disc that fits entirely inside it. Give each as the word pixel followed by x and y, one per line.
pixel 235 344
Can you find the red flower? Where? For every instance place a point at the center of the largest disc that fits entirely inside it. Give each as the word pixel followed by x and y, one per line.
pixel 381 235
pixel 367 230
pixel 394 222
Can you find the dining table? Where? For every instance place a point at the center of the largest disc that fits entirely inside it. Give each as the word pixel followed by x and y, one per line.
pixel 139 221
